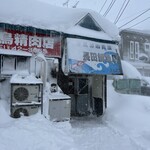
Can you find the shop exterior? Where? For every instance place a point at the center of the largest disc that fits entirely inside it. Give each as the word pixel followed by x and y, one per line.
pixel 85 48
pixel 85 63
pixel 85 66
pixel 31 40
pixel 23 52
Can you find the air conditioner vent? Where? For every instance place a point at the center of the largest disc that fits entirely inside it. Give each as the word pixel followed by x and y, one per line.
pixel 21 94
pixel 18 111
pixel 26 93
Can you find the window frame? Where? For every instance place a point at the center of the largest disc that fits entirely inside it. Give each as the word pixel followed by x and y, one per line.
pixel 14 68
pixel 136 51
pixel 147 49
pixel 131 52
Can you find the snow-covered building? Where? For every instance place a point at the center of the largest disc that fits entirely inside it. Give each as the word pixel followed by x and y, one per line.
pixel 84 44
pixel 135 48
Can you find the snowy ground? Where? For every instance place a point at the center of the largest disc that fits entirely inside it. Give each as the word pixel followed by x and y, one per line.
pixel 124 126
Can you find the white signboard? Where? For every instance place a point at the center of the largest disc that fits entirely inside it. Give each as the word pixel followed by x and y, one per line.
pixel 89 57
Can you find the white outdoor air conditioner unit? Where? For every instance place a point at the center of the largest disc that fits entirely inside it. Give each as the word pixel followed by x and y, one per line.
pixel 25 93
pixel 18 111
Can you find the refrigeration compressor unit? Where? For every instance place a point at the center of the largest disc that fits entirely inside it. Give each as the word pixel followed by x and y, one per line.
pixel 26 96
pixel 24 110
pixel 25 93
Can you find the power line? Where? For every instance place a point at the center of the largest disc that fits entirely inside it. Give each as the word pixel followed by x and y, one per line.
pixel 133 15
pixel 139 22
pixel 109 7
pixel 103 6
pixel 121 11
pixel 134 18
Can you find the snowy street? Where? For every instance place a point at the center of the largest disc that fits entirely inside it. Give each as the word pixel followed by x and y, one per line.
pixel 96 134
pixel 125 126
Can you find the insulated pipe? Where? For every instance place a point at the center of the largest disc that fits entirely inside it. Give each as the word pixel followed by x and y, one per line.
pixel 41 58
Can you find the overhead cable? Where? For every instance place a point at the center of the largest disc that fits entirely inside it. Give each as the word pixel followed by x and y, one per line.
pixel 103 6
pixel 109 7
pixel 133 15
pixel 139 22
pixel 134 18
pixel 121 11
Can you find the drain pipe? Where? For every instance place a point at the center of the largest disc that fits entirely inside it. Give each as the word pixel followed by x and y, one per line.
pixel 41 58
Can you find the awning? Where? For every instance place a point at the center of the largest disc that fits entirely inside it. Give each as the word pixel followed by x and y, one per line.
pixel 14 52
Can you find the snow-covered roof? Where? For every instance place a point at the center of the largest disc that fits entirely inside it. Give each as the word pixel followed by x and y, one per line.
pixel 25 79
pixel 14 52
pixel 137 31
pixel 77 30
pixel 140 65
pixel 46 16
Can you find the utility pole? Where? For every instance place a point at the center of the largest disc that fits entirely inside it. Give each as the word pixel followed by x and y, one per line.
pixel 66 3
pixel 75 5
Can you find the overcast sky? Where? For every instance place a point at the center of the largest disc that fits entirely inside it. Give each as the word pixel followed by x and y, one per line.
pixel 133 9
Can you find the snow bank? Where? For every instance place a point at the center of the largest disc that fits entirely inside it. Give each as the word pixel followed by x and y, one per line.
pixel 128 115
pixel 129 71
pixel 4 113
pixel 125 125
pixel 33 133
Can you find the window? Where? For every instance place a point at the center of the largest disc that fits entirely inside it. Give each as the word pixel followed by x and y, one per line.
pixel 8 63
pixel 89 23
pixel 22 63
pixel 131 50
pixel 147 47
pixel 83 86
pixel 134 50
pixel 11 64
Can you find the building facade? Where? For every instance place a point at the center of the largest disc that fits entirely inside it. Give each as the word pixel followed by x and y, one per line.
pixel 135 48
pixel 84 44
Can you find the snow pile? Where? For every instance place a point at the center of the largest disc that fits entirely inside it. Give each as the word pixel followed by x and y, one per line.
pixel 128 115
pixel 147 79
pixel 33 133
pixel 129 71
pixel 4 113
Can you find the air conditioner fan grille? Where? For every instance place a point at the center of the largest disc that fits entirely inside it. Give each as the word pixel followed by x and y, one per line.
pixel 20 112
pixel 21 94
